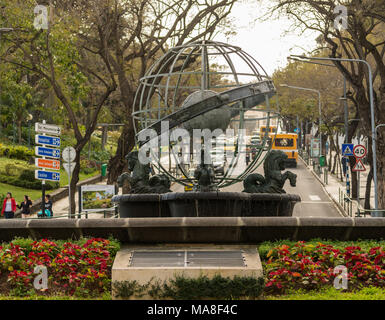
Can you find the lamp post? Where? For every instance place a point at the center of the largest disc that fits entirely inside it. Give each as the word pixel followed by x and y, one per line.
pixel 319 107
pixel 371 100
pixel 29 120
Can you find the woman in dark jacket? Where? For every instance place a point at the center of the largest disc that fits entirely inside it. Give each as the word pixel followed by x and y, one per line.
pixel 25 207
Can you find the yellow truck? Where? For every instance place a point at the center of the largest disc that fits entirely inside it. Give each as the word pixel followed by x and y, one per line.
pixel 287 142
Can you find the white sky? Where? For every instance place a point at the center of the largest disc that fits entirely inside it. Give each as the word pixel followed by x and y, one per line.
pixel 265 40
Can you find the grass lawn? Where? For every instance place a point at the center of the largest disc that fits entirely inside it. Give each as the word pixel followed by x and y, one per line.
pixel 370 293
pixel 18 192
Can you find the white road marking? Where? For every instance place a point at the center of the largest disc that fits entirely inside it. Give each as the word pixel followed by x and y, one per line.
pixel 314 197
pixel 313 202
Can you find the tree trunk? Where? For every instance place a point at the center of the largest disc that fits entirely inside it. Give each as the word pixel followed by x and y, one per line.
pixel 19 131
pixel 353 178
pixel 368 188
pixel 74 181
pixel 117 163
pixel 334 164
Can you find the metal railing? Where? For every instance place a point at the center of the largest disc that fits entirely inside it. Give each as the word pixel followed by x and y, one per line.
pixel 347 203
pixel 79 215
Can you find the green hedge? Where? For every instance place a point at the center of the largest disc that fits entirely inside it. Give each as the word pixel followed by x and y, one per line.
pixel 184 288
pixel 16 152
pixel 24 183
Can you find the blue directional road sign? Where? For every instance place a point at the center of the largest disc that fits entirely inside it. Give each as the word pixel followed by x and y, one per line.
pixel 347 149
pixel 47 140
pixel 47 175
pixel 47 152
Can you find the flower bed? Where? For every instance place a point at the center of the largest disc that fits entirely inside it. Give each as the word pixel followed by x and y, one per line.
pixel 82 268
pixel 309 266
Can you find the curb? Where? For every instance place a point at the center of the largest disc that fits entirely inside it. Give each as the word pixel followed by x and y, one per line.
pixel 339 208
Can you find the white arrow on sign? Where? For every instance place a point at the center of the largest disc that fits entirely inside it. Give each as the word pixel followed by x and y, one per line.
pixel 69 154
pixel 47 128
pixel 69 165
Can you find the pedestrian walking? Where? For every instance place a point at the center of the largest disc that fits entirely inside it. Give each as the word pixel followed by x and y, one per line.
pixel 9 207
pixel 25 207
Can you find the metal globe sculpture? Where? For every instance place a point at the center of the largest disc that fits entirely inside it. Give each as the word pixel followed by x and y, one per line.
pixel 204 85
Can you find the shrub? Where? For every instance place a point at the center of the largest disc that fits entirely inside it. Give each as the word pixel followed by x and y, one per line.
pixel 35 185
pixel 309 267
pixel 180 287
pixel 11 170
pixel 25 243
pixel 82 268
pixel 16 152
pixel 27 175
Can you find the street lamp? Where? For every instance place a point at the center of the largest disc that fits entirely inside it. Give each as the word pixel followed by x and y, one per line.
pixel 371 99
pixel 319 106
pixel 29 120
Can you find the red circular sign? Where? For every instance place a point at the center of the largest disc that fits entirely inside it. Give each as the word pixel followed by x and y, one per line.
pixel 359 151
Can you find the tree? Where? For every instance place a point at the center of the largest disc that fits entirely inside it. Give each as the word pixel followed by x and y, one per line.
pixel 136 34
pixel 80 79
pixel 304 104
pixel 363 38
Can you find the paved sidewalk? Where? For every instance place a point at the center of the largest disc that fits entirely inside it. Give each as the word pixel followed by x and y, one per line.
pixel 335 186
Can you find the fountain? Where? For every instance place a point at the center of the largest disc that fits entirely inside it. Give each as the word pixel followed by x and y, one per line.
pixel 197 87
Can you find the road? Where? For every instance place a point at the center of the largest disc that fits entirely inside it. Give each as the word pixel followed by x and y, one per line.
pixel 315 202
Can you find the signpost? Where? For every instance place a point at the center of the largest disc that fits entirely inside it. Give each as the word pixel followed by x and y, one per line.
pixel 359 153
pixel 47 128
pixel 45 151
pixel 47 164
pixel 48 140
pixel 47 175
pixel 359 166
pixel 69 155
pixel 347 149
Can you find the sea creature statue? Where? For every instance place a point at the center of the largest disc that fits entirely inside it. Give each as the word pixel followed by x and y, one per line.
pixel 205 175
pixel 139 177
pixel 274 180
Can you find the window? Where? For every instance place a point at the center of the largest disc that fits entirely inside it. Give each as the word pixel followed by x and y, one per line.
pixel 284 142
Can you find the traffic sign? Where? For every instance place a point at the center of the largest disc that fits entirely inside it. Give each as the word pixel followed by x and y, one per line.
pixel 359 166
pixel 347 149
pixel 47 175
pixel 47 152
pixel 69 165
pixel 69 154
pixel 47 163
pixel 359 151
pixel 47 128
pixel 47 140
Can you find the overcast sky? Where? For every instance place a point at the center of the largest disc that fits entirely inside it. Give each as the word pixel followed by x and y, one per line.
pixel 265 40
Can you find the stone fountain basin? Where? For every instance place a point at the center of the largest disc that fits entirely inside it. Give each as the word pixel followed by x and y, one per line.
pixel 141 205
pixel 206 204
